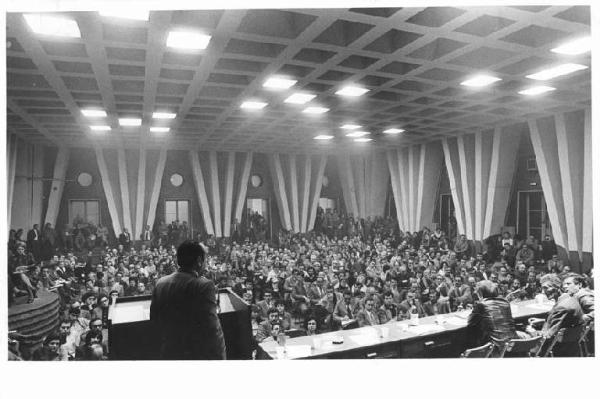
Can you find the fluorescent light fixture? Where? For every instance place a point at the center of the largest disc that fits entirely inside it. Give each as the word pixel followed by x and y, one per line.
pixel 575 47
pixel 93 113
pixel 556 71
pixel 163 115
pixel 279 83
pixel 315 110
pixel 362 139
pixel 52 25
pixel 156 129
pixel 187 40
pixel 125 13
pixel 393 131
pixel 299 98
pixel 480 81
pixel 350 127
pixel 532 91
pixel 100 128
pixel 357 134
pixel 130 121
pixel 351 91
pixel 323 137
pixel 253 105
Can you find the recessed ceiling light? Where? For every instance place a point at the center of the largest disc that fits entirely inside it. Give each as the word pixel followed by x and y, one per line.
pixel 323 137
pixel 393 131
pixel 575 47
pixel 357 134
pixel 130 121
pixel 299 98
pixel 279 83
pixel 52 25
pixel 556 71
pixel 362 139
pixel 253 105
pixel 532 91
pixel 188 40
pixel 480 81
pixel 93 113
pixel 315 110
pixel 100 128
pixel 139 15
pixel 351 127
pixel 157 129
pixel 163 115
pixel 351 91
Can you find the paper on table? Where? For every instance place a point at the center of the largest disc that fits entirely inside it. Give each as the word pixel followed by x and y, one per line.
pixel 425 328
pixel 298 350
pixel 129 313
pixel 365 339
pixel 346 322
pixel 457 321
pixel 541 306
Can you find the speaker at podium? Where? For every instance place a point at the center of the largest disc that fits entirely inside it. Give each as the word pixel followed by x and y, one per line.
pixel 131 335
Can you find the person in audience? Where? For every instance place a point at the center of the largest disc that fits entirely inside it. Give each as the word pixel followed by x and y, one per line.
pixel 344 310
pixel 285 318
pixel 388 311
pixel 266 303
pixel 50 350
pixel 566 313
pixel 491 319
pixel 367 316
pixel 34 242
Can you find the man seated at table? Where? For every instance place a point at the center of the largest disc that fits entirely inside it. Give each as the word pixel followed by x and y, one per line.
pixel 367 316
pixel 491 318
pixel 265 328
pixel 388 311
pixel 566 313
pixel 344 311
pixel 574 285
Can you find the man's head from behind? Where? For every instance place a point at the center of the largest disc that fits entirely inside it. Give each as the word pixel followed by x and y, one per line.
pixel 487 289
pixel 190 256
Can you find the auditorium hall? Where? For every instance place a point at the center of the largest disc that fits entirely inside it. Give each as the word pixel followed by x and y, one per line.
pixel 364 182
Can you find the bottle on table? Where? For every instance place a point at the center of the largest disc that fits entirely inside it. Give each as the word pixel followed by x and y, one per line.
pixel 414 316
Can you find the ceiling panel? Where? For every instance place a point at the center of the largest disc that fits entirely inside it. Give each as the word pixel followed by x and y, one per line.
pixel 411 59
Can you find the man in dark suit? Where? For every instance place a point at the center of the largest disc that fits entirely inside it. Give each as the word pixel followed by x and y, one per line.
pixel 491 318
pixel 34 242
pixel 566 313
pixel 125 239
pixel 184 309
pixel 367 316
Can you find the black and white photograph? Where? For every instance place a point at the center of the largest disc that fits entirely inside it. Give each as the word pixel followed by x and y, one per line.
pixel 335 186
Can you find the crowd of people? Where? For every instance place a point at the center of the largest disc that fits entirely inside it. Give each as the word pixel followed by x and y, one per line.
pixel 345 273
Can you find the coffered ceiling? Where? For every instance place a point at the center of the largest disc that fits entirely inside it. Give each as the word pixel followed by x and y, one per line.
pixel 412 60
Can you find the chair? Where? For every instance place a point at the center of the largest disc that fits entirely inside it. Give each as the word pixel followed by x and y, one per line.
pixel 530 346
pixel 583 339
pixel 566 335
pixel 483 351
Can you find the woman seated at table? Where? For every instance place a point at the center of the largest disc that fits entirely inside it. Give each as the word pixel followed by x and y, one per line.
pixel 311 326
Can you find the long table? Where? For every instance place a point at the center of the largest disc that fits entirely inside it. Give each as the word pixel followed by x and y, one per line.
pixel 433 337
